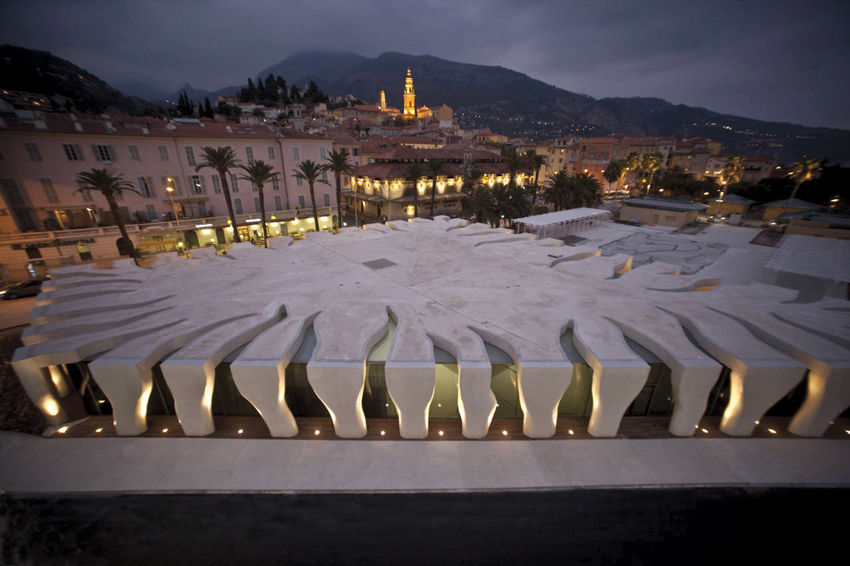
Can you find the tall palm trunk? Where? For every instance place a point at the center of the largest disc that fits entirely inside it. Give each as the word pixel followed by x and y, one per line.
pixel 315 210
pixel 119 219
pixel 339 201
pixel 356 206
pixel 433 195
pixel 263 215
pixel 226 190
pixel 791 198
pixel 415 201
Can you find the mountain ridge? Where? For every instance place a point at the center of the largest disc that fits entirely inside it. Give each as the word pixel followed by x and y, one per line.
pixel 504 100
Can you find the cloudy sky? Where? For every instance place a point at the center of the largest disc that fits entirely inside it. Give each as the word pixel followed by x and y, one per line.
pixel 768 59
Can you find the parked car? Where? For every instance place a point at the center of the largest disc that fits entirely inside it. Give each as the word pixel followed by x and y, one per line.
pixel 24 289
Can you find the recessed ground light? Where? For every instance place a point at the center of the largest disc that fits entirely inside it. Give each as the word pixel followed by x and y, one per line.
pixel 757 422
pixel 240 431
pixel 439 404
pixel 99 430
pixel 101 401
pixel 705 430
pixel 571 432
pixel 63 430
pixel 497 404
pixel 441 433
pixel 771 431
pixel 696 426
pixel 504 433
pixel 165 430
pixel 383 433
pixel 847 431
pixel 317 433
pixel 386 405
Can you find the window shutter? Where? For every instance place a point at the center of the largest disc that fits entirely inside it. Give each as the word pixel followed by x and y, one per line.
pixel 95 152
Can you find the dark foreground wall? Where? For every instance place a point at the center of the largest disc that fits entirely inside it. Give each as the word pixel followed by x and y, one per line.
pixel 585 526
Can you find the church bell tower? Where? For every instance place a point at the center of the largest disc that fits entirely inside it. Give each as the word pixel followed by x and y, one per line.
pixel 409 97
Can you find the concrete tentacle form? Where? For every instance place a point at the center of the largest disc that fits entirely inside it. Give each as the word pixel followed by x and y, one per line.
pixel 760 375
pixel 337 371
pixel 618 374
pixel 260 371
pixel 692 373
pixel 190 373
pixel 543 376
pixel 124 373
pixel 45 383
pixel 447 284
pixel 409 371
pixel 828 385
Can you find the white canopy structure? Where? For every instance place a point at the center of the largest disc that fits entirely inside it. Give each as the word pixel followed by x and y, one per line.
pixel 819 257
pixel 562 223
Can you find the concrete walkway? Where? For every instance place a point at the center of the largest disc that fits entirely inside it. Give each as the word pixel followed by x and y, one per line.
pixel 31 464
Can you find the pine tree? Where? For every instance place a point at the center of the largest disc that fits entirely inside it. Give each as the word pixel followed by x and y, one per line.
pixel 208 111
pixel 295 94
pixel 284 90
pixel 271 88
pixel 261 89
pixel 252 91
pixel 200 110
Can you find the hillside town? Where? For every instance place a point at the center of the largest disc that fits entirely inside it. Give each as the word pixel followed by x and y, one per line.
pixel 405 283
pixel 172 203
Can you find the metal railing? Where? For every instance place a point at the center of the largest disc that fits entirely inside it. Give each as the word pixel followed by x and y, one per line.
pixel 186 224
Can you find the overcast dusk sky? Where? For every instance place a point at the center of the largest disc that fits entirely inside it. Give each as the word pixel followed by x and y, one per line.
pixel 774 60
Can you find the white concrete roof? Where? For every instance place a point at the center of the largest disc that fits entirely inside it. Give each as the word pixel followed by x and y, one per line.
pixel 444 283
pixel 562 216
pixel 819 257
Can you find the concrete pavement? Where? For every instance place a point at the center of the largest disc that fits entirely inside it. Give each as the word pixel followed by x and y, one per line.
pixel 35 465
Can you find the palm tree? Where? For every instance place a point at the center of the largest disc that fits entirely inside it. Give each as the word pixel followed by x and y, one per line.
pixel 804 170
pixel 501 202
pixel 338 163
pixel 258 174
pixel 513 162
pixel 413 173
pixel 650 162
pixel 613 172
pixel 478 204
pixel 472 178
pixel 632 162
pixel 537 162
pixel 109 184
pixel 731 172
pixel 558 190
pixel 586 190
pixel 435 169
pixel 311 172
pixel 222 159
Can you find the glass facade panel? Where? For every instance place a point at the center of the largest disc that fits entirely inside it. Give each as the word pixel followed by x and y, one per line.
pixel 444 404
pixel 300 397
pixel 503 382
pixel 577 400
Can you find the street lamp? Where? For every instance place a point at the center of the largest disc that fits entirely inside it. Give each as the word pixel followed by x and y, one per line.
pixel 170 190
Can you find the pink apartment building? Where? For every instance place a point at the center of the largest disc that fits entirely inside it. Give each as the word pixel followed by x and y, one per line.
pixel 42 153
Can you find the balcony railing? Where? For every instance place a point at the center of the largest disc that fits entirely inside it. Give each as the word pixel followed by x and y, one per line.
pixel 187 224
